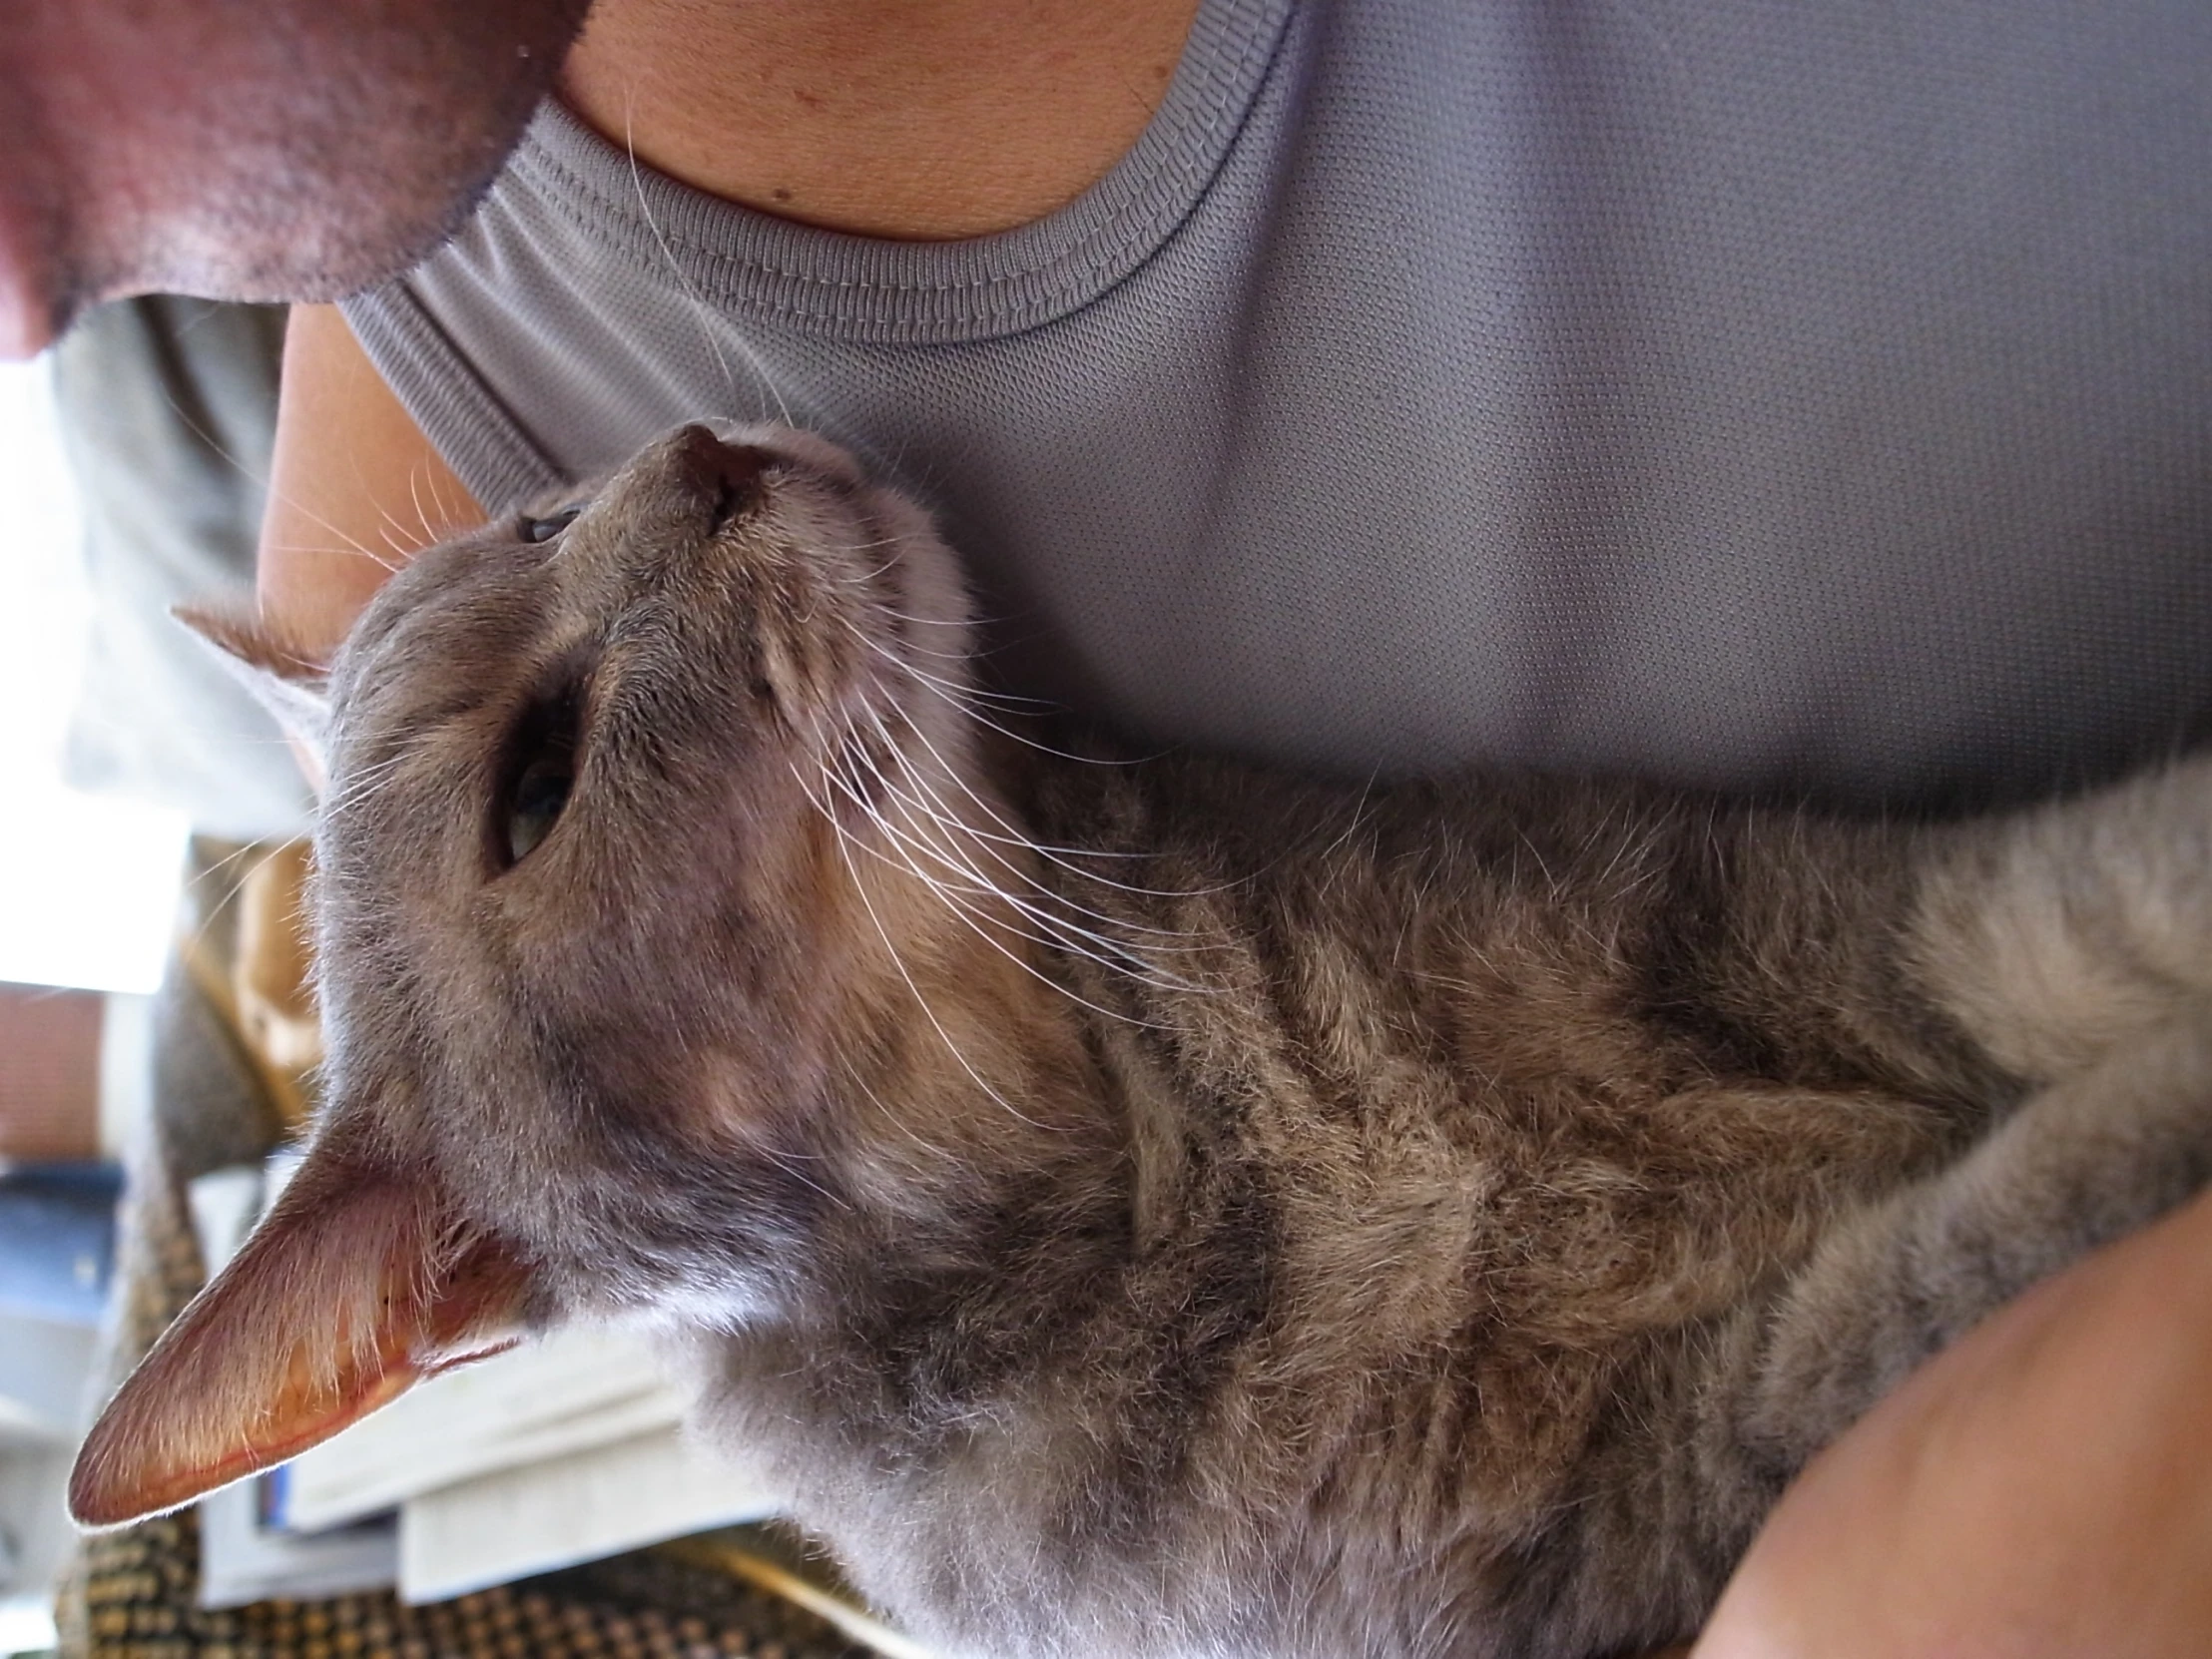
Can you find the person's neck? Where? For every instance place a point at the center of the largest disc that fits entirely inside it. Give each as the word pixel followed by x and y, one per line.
pixel 911 119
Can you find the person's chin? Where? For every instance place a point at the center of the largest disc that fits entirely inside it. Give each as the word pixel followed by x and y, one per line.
pixel 315 242
pixel 35 306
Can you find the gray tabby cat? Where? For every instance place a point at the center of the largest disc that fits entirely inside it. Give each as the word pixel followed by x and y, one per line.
pixel 1151 1207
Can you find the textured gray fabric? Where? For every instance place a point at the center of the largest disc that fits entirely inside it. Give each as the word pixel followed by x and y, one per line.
pixel 168 410
pixel 1767 396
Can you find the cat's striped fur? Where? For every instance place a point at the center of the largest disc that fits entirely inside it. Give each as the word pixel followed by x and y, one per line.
pixel 1159 1207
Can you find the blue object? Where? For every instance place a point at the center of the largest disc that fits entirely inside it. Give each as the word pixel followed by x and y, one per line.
pixel 57 1240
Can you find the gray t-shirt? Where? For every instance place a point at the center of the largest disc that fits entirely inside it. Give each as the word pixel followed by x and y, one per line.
pixel 1749 393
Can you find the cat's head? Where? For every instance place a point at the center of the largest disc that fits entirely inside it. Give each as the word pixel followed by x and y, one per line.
pixel 622 893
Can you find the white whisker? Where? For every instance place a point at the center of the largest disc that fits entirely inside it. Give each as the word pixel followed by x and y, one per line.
pixel 700 309
pixel 899 962
pixel 980 920
pixel 933 805
pixel 965 788
pixel 1059 934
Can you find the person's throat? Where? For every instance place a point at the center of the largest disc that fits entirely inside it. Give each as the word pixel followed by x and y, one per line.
pixel 921 120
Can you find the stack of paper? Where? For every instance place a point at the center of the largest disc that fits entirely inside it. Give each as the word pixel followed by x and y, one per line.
pixel 556 1452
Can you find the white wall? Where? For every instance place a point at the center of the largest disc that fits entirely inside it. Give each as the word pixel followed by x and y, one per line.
pixel 87 886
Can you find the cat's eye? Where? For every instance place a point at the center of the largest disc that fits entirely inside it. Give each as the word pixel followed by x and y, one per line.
pixel 541 773
pixel 545 529
pixel 539 795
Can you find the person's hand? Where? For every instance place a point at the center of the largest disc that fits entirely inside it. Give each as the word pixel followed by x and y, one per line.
pixel 2043 1488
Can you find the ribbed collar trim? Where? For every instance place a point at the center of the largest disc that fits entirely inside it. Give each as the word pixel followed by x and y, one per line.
pixel 862 289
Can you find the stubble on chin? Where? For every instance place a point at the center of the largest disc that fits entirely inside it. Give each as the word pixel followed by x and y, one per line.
pixel 43 287
pixel 322 154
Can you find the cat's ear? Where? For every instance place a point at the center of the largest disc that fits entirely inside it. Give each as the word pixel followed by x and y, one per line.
pixel 356 1286
pixel 287 681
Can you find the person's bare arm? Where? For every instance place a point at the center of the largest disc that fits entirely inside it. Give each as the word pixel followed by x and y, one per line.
pixel 2041 1490
pixel 355 490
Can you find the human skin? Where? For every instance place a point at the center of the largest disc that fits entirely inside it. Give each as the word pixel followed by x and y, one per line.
pixel 302 149
pixel 908 119
pixel 2037 1490
pixel 284 149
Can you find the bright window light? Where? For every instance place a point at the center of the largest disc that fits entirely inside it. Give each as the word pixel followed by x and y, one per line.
pixel 88 884
pixel 27 1625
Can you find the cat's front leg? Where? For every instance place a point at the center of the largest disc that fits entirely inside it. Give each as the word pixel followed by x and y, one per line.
pixel 1966 963
pixel 2056 936
pixel 2085 1161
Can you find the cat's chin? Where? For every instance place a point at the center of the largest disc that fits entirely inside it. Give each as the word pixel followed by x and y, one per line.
pixel 912 688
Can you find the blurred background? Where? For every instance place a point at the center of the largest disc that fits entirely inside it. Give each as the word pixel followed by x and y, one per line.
pixel 86 880
pixel 88 887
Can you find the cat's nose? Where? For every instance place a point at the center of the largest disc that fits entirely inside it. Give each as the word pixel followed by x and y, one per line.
pixel 727 476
